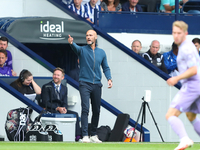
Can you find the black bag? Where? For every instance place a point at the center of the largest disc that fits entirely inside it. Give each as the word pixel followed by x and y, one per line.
pixel 53 133
pixel 37 133
pixel 103 133
pixel 121 123
pixel 18 123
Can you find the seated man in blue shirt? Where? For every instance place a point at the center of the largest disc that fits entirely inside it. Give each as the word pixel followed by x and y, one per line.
pixel 170 60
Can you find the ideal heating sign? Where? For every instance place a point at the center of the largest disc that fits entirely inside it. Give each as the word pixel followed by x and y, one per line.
pixel 51 31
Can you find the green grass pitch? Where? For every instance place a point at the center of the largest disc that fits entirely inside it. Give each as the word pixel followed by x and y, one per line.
pixel 90 146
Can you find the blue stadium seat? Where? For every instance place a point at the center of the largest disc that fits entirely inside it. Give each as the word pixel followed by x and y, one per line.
pixel 6 25
pixel 4 21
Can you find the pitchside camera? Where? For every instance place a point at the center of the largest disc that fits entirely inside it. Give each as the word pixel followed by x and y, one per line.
pixel 146 99
pixel 147 96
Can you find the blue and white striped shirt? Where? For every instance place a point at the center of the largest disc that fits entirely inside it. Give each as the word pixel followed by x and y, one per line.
pixel 82 11
pixel 90 10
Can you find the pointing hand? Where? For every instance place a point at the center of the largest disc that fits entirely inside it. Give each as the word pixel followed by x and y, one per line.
pixel 70 39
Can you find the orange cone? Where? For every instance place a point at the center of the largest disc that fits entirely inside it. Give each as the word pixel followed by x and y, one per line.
pixel 128 140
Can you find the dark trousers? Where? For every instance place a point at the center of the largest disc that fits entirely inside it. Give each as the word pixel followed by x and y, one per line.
pixel 78 130
pixel 90 91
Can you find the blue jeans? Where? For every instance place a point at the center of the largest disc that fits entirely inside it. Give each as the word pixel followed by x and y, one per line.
pixel 93 92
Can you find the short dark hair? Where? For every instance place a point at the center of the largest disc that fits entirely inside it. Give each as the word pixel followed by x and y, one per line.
pixel 116 2
pixel 174 46
pixel 3 38
pixel 60 69
pixel 196 40
pixel 3 51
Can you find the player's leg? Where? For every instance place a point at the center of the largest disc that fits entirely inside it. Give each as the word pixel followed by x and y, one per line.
pixel 182 102
pixel 175 122
pixel 194 120
pixel 96 103
pixel 179 129
pixel 85 90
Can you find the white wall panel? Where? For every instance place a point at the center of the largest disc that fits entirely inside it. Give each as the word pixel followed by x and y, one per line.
pixel 29 8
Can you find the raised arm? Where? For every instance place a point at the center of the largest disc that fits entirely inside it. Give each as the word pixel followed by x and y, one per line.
pixel 74 46
pixel 36 88
pixel 70 39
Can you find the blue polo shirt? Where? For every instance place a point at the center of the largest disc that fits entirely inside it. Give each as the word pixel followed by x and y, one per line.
pixel 170 2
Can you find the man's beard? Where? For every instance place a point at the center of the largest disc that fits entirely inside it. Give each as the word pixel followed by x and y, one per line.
pixel 90 43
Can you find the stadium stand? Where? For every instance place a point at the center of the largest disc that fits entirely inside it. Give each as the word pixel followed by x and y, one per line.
pixel 191 6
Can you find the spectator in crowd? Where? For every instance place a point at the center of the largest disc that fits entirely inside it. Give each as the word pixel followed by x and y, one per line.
pixel 86 1
pixel 90 6
pixel 54 97
pixel 5 70
pixel 91 59
pixel 111 5
pixel 154 57
pixel 3 46
pixel 26 85
pixel 170 60
pixel 79 9
pixel 67 2
pixel 74 74
pixel 196 42
pixel 191 9
pixel 151 4
pixel 136 46
pixel 168 6
pixel 132 6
